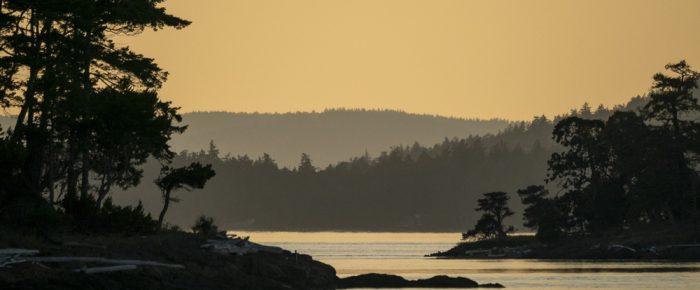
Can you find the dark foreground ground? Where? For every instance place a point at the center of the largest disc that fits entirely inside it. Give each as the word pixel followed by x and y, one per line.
pixel 203 269
pixel 661 242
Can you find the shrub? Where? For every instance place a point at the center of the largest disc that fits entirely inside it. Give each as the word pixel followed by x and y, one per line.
pixel 110 218
pixel 204 225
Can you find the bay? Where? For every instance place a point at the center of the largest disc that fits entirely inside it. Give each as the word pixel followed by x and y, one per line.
pixel 353 253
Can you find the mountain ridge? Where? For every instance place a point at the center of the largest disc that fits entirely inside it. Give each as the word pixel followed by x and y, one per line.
pixel 329 136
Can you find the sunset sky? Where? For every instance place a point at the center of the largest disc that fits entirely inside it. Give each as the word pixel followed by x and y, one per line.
pixel 508 59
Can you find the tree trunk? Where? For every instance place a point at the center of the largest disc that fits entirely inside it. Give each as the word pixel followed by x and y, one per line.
pixel 50 177
pixel 72 174
pixel 103 190
pixel 85 176
pixel 166 204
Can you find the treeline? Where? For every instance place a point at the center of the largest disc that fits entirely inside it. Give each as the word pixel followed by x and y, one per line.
pixel 417 187
pixel 329 136
pixel 88 114
pixel 406 188
pixel 634 169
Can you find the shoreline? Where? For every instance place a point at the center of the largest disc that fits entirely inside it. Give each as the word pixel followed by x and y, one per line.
pixel 177 260
pixel 646 244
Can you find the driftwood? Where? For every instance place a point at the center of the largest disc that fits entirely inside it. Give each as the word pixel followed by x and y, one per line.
pixel 18 252
pixel 101 261
pixel 9 261
pixel 13 256
pixel 16 256
pixel 95 270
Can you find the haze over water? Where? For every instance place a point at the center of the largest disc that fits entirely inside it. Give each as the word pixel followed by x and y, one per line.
pixel 402 254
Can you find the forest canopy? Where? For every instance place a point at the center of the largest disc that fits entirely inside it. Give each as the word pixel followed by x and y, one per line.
pixel 89 115
pixel 637 167
pixel 406 188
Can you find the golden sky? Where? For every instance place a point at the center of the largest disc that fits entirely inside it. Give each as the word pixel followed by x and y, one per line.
pixel 492 58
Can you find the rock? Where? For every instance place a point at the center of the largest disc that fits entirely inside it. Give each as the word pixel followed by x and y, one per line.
pixel 268 268
pixel 238 246
pixel 374 281
pixel 491 285
pixel 392 281
pixel 447 282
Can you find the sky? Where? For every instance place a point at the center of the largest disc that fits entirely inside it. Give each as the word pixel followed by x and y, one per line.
pixel 476 59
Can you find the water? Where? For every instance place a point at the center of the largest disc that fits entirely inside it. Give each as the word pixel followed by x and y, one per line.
pixel 402 254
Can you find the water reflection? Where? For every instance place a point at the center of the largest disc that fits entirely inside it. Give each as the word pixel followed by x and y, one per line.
pixel 402 254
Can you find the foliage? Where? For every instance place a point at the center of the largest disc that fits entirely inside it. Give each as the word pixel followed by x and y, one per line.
pixel 305 165
pixel 544 214
pixel 635 168
pixel 204 225
pixel 189 177
pixel 86 217
pixel 406 188
pixel 12 156
pixel 124 219
pixel 415 187
pixel 29 214
pixel 494 205
pixel 88 110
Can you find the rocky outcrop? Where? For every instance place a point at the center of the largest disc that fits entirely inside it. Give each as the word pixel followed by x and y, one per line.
pixel 202 267
pixel 393 281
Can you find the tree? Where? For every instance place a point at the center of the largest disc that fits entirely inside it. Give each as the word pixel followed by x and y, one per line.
pixel 204 225
pixel 11 159
pixel 100 67
pixel 672 112
pixel 305 165
pixel 62 70
pixel 193 176
pixel 671 99
pixel 494 205
pixel 543 213
pixel 586 160
pixel 583 169
pixel 129 127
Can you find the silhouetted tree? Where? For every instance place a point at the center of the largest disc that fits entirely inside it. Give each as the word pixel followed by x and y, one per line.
pixel 673 105
pixel 635 167
pixel 305 165
pixel 494 205
pixel 129 128
pixel 193 176
pixel 543 214
pixel 87 108
pixel 204 225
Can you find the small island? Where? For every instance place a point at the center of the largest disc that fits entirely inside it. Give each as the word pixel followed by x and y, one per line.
pixel 624 188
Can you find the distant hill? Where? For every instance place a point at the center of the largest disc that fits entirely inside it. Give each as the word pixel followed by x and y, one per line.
pixel 401 187
pixel 329 136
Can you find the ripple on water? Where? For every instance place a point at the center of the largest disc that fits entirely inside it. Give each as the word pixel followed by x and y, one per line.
pixel 353 253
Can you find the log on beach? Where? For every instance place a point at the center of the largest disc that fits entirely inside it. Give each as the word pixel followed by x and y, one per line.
pixel 100 261
pixel 18 252
pixel 95 270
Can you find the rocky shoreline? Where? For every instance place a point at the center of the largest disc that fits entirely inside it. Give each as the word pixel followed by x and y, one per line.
pixel 176 260
pixel 609 246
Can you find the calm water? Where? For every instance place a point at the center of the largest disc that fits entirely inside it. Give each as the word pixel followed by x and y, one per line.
pixel 402 254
